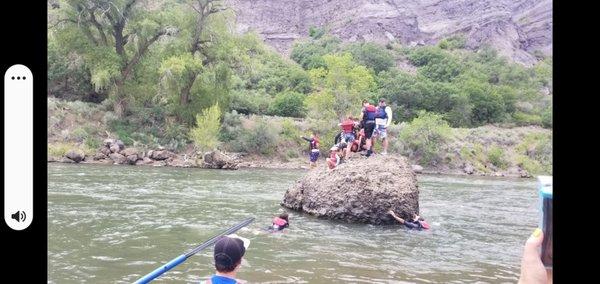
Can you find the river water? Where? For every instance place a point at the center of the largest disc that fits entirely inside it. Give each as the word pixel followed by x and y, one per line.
pixel 113 224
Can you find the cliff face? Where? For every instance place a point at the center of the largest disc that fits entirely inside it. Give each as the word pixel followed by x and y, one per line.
pixel 515 27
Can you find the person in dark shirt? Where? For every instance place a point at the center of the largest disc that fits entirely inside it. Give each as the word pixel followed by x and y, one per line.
pixel 417 222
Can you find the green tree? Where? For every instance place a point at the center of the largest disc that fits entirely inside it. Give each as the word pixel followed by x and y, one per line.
pixel 346 81
pixel 113 37
pixel 206 133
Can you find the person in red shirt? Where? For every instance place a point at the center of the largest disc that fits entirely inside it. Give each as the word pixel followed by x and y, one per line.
pixel 348 134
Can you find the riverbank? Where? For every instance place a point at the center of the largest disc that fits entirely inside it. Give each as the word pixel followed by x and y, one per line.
pixel 81 129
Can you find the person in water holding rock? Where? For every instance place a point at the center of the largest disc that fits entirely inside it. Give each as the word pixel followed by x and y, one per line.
pixel 313 148
pixel 228 254
pixel 416 223
pixel 279 223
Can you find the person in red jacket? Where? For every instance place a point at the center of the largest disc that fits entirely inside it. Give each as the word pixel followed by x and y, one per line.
pixel 281 222
pixel 348 134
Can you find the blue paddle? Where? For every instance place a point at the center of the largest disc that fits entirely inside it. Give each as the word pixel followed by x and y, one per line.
pixel 178 260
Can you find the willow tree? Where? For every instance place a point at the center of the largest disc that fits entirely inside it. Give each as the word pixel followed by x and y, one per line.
pixel 112 36
pixel 196 74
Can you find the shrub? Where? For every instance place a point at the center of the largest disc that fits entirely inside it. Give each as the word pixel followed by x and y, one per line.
pixel 205 134
pixel 496 156
pixel 250 102
pixel 58 150
pixel 372 55
pixel 310 53
pixel 425 135
pixel 547 118
pixel 261 139
pixel 230 127
pixel 288 104
pixel 290 131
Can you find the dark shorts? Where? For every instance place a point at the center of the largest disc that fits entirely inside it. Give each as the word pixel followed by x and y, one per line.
pixel 314 155
pixel 369 127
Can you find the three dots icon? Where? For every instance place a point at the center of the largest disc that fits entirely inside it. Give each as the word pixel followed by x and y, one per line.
pixel 18 77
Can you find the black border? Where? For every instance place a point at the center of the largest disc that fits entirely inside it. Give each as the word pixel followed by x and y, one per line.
pixel 24 25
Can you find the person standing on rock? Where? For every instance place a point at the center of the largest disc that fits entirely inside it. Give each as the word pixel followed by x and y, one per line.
pixel 382 122
pixel 337 155
pixel 348 134
pixel 313 149
pixel 416 223
pixel 368 121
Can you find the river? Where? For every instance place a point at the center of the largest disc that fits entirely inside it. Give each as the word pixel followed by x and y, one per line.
pixel 113 224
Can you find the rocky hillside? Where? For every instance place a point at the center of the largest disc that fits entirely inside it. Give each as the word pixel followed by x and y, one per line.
pixel 517 28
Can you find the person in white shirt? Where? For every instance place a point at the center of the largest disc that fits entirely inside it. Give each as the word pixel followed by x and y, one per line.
pixel 382 122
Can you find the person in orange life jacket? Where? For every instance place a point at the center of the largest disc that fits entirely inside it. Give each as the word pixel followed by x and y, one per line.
pixel 281 222
pixel 228 254
pixel 416 223
pixel 313 148
pixel 336 155
pixel 368 121
pixel 382 122
pixel 348 135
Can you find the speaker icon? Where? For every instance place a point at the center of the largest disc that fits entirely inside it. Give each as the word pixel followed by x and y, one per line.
pixel 19 216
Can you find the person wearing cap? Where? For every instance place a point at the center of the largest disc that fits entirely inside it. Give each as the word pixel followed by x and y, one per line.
pixel 383 120
pixel 228 254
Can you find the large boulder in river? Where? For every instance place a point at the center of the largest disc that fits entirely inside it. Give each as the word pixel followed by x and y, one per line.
pixel 360 190
pixel 218 160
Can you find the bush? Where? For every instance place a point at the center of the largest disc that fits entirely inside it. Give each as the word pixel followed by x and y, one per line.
pixel 288 104
pixel 522 118
pixel 205 134
pixel 372 55
pixel 310 53
pixel 496 157
pixel 250 102
pixel 424 137
pixel 290 131
pixel 316 32
pixel 230 127
pixel 261 139
pixel 58 150
pixel 547 118
pixel 535 153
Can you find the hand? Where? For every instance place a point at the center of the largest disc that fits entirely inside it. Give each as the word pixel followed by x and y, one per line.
pixel 392 213
pixel 532 268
